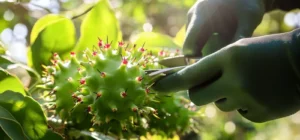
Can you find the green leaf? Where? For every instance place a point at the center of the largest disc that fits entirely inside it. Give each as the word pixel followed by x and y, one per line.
pixel 57 36
pixel 99 22
pixel 50 135
pixel 10 82
pixel 155 41
pixel 179 38
pixel 5 62
pixel 10 126
pixel 27 112
pixel 29 57
pixel 42 23
pixel 2 49
pixel 3 136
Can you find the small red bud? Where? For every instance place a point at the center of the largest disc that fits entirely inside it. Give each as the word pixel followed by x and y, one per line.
pixel 107 46
pixel 147 90
pixel 102 74
pixel 142 49
pixel 121 43
pixel 72 53
pixel 89 108
pixel 98 95
pixel 139 78
pixel 95 53
pixel 54 61
pixel 79 99
pixel 123 94
pixel 161 53
pixel 134 109
pixel 125 61
pixel 100 44
pixel 82 81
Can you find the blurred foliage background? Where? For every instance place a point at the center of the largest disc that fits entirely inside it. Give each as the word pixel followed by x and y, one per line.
pixel 157 20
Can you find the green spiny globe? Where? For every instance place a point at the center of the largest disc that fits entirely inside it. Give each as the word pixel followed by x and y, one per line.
pixel 107 89
pixel 174 118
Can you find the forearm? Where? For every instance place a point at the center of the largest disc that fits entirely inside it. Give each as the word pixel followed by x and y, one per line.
pixel 285 5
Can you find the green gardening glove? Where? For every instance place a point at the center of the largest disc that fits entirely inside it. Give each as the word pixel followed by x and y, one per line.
pixel 232 19
pixel 258 76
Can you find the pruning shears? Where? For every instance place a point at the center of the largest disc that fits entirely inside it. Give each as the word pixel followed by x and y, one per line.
pixel 173 65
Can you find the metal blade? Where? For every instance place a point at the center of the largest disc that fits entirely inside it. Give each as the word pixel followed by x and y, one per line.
pixel 165 71
pixel 174 61
pixel 174 64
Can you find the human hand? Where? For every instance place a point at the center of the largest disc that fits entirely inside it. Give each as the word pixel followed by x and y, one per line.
pixel 232 19
pixel 256 76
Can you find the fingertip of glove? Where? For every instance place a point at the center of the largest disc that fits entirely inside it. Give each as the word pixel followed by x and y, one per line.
pixel 160 87
pixel 166 84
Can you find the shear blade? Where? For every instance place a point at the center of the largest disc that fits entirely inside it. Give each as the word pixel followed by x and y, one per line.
pixel 165 71
pixel 174 64
pixel 174 61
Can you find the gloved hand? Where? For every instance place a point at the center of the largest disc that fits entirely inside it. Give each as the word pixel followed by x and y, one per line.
pixel 232 19
pixel 257 76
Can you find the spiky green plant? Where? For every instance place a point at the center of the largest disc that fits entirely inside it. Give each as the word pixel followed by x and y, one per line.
pixel 173 116
pixel 107 88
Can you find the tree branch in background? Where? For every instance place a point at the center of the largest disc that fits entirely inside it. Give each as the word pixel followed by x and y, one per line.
pixel 86 11
pixel 44 8
pixel 28 2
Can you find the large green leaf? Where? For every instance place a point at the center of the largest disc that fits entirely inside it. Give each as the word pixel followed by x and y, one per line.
pixel 57 36
pixel 10 82
pixel 10 126
pixel 156 42
pixel 27 112
pixel 5 62
pixel 180 36
pixel 99 22
pixel 42 23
